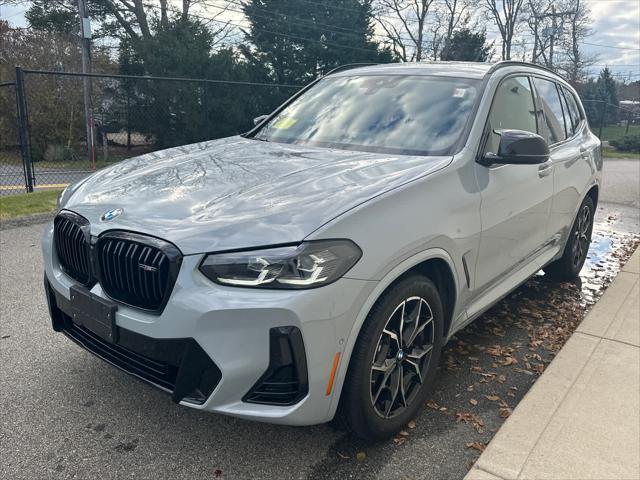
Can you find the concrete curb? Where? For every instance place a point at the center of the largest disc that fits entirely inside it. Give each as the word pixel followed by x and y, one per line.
pixel 581 419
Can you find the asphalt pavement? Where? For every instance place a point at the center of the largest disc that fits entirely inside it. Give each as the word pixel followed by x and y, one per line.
pixel 66 414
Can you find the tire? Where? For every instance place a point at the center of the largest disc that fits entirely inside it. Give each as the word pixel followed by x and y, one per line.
pixel 575 252
pixel 377 362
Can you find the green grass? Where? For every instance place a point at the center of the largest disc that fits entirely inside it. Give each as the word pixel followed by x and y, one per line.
pixel 28 204
pixel 614 132
pixel 612 153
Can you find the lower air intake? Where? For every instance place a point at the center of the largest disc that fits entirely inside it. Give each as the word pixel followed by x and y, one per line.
pixel 286 381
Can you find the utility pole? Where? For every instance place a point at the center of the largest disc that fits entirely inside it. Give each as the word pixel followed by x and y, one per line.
pixel 85 39
pixel 554 29
pixel 552 35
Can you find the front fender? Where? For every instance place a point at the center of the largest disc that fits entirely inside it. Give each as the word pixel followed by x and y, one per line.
pixel 381 286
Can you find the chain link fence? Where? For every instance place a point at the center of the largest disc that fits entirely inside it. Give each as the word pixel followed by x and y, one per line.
pixel 129 116
pixel 12 173
pixel 614 124
pixel 46 142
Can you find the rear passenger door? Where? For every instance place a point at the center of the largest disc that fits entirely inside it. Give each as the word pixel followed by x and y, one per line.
pixel 567 134
pixel 516 199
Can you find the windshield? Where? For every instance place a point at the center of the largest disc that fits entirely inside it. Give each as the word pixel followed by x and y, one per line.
pixel 390 114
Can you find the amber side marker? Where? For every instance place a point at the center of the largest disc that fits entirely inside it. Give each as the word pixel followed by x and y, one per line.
pixel 334 368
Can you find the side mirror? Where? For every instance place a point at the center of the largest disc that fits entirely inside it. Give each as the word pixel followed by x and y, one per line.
pixel 260 119
pixel 518 147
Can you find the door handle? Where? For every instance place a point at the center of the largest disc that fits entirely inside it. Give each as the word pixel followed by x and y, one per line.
pixel 584 153
pixel 545 169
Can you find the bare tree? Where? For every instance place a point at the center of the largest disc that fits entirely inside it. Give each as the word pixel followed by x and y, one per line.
pixel 131 19
pixel 506 14
pixel 538 27
pixel 577 29
pixel 449 16
pixel 404 24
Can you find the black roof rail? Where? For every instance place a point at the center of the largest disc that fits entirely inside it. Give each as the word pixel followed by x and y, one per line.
pixel 348 66
pixel 511 63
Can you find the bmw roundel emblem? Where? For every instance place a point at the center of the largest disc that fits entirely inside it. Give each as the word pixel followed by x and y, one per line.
pixel 111 214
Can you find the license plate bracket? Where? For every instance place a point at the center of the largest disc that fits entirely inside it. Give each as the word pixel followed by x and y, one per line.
pixel 94 313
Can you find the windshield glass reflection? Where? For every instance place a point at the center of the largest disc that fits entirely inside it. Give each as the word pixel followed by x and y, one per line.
pixel 391 114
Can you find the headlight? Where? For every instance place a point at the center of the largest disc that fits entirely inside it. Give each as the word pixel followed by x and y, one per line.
pixel 308 265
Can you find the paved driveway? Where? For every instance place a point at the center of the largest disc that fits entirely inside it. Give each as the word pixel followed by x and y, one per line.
pixel 66 414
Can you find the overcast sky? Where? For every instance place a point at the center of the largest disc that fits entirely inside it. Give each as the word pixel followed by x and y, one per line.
pixel 615 39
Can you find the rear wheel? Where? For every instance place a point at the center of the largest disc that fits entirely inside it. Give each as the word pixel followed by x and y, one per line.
pixel 394 360
pixel 575 251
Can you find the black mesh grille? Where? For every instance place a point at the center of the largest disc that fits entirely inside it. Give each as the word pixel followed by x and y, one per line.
pixel 137 270
pixel 72 246
pixel 134 269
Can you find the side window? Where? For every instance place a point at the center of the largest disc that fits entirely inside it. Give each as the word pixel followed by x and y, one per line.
pixel 551 110
pixel 568 124
pixel 512 109
pixel 576 117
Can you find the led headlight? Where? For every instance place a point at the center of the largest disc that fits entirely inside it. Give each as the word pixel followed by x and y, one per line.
pixel 308 265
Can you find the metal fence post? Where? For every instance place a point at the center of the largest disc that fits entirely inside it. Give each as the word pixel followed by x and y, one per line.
pixel 602 118
pixel 23 125
pixel 626 132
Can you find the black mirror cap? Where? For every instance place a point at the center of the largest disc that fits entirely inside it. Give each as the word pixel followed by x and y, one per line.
pixel 518 147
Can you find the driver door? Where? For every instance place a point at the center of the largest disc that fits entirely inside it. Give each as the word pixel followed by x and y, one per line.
pixel 515 199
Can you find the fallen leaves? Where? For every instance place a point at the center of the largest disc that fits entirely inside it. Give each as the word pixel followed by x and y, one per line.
pixel 508 361
pixel 514 342
pixel 399 440
pixel 433 405
pixel 472 419
pixel 476 446
pixel 504 412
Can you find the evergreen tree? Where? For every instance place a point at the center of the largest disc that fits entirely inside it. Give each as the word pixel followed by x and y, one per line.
pixel 466 45
pixel 299 40
pixel 601 99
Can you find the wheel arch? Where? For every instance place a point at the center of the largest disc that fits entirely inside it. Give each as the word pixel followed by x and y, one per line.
pixel 593 192
pixel 435 263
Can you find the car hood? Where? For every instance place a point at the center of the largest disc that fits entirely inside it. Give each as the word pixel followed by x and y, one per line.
pixel 237 192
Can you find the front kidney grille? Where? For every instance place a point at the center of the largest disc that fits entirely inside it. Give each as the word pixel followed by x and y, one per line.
pixel 72 247
pixel 134 269
pixel 137 270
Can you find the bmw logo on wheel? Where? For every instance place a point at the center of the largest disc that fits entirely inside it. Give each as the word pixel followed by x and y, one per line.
pixel 111 214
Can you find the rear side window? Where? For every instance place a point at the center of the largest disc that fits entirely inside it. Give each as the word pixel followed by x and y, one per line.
pixel 551 110
pixel 512 109
pixel 576 117
pixel 567 117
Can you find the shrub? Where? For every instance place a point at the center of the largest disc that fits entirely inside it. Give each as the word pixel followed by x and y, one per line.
pixel 628 143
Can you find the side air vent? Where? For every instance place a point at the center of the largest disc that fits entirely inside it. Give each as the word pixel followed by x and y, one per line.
pixel 285 382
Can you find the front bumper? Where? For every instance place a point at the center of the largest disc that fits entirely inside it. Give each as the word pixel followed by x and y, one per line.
pixel 224 333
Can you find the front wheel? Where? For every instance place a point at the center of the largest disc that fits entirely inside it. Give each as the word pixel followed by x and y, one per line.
pixel 575 252
pixel 394 360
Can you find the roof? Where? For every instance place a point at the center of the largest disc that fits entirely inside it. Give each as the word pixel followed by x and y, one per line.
pixel 476 70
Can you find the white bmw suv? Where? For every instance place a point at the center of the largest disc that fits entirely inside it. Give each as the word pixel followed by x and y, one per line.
pixel 316 265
